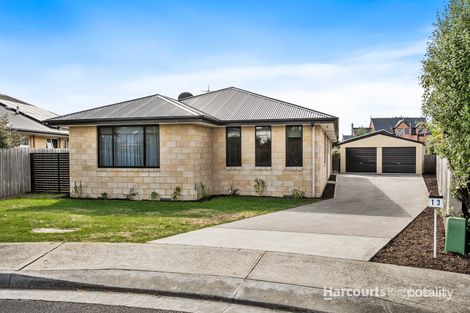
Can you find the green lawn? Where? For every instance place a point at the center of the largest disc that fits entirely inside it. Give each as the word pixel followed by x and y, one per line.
pixel 124 221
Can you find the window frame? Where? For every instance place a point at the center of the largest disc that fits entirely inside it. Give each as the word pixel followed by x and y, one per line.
pixel 226 146
pixel 270 146
pixel 112 142
pixel 301 145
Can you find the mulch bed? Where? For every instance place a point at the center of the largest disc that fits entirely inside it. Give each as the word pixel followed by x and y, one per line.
pixel 329 191
pixel 414 245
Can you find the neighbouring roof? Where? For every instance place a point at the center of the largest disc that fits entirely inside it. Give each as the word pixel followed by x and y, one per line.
pixel 379 132
pixel 389 123
pixel 30 110
pixel 220 107
pixel 22 123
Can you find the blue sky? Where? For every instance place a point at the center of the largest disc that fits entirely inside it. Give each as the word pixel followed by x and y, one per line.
pixel 352 59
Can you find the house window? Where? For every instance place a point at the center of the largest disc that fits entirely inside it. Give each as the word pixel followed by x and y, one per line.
pixel 234 146
pixel 52 143
pixel 399 131
pixel 129 146
pixel 294 146
pixel 263 146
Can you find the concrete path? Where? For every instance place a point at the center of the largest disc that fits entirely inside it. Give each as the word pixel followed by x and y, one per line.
pixel 367 212
pixel 247 277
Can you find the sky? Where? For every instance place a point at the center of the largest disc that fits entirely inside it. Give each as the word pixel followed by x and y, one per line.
pixel 350 59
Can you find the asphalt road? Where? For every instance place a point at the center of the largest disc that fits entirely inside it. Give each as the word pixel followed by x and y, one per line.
pixel 29 306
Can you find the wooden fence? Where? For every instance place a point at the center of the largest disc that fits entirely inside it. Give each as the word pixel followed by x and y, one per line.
pixel 335 163
pixel 444 178
pixel 429 164
pixel 15 170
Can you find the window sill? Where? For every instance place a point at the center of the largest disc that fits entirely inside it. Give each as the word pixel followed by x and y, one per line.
pixel 233 168
pixel 294 168
pixel 263 168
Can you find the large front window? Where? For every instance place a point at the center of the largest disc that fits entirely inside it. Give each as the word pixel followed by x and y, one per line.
pixel 129 146
pixel 294 146
pixel 263 146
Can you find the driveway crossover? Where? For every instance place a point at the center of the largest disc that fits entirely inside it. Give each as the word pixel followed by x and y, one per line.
pixel 367 212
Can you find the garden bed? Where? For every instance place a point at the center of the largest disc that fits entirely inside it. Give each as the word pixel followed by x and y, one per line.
pixel 329 191
pixel 414 245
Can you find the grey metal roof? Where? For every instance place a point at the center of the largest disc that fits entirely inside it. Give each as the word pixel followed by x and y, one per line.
pixel 389 123
pixel 217 107
pixel 378 132
pixel 234 104
pixel 30 110
pixel 22 123
pixel 156 106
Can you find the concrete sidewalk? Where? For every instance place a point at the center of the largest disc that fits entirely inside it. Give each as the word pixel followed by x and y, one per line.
pixel 262 278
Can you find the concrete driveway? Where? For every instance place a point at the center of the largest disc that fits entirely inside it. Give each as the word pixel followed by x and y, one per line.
pixel 367 211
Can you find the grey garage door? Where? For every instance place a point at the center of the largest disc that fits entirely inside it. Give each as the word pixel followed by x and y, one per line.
pixel 361 160
pixel 399 160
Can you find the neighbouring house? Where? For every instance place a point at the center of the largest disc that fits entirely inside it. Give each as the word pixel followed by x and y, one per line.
pixel 223 139
pixel 405 127
pixel 28 121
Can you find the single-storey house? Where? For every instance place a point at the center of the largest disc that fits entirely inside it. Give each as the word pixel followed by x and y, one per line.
pixel 381 152
pixel 225 138
pixel 27 121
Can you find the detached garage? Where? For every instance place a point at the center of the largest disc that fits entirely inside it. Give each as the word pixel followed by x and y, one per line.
pixel 381 152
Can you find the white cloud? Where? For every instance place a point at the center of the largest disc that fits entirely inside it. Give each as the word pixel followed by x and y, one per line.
pixel 377 82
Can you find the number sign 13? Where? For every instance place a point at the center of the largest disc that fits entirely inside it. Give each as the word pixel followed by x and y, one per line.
pixel 436 202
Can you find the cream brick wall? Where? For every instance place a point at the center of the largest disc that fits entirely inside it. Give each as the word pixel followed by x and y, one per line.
pixel 279 179
pixel 190 154
pixel 322 168
pixel 184 161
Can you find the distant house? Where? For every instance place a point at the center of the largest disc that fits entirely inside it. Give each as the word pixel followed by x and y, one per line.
pixel 224 139
pixel 28 121
pixel 357 131
pixel 405 127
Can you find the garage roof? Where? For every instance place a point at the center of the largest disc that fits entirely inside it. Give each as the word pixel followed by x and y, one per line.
pixel 380 132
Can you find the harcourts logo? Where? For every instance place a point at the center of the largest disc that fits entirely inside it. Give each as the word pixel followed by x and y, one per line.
pixel 329 293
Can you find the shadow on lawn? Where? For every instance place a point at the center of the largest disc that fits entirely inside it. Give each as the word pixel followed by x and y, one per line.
pixel 194 209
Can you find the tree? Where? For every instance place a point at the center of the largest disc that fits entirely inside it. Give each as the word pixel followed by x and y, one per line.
pixel 8 138
pixel 446 100
pixel 361 131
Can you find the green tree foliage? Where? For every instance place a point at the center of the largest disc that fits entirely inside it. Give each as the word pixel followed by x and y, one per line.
pixel 8 138
pixel 361 131
pixel 446 99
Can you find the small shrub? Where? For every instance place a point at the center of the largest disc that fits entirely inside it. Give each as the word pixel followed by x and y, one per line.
pixel 154 195
pixel 176 193
pixel 104 195
pixel 260 186
pixel 131 194
pixel 297 193
pixel 78 189
pixel 232 191
pixel 205 191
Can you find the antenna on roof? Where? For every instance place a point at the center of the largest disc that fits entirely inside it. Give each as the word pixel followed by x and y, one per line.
pixel 208 89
